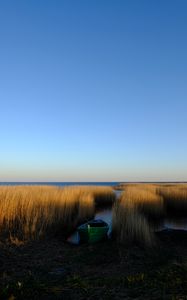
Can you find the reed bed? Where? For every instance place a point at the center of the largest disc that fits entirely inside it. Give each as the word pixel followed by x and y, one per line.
pixel 103 196
pixel 125 186
pixel 129 226
pixel 139 210
pixel 30 212
pixel 146 200
pixel 143 207
pixel 175 198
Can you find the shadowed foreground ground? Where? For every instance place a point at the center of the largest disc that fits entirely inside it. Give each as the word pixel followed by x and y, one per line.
pixel 52 269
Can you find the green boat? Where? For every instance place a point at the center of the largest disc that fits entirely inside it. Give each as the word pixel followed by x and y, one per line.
pixel 93 231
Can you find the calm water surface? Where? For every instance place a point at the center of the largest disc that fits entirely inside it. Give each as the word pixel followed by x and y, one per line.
pixel 61 183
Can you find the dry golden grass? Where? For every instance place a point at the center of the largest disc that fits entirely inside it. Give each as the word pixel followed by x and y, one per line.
pixel 103 196
pixel 129 226
pixel 29 212
pixel 125 186
pixel 143 206
pixel 145 198
pixel 139 204
pixel 175 198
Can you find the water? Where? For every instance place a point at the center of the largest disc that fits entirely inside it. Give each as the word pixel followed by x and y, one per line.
pixel 176 223
pixel 62 184
pixel 118 193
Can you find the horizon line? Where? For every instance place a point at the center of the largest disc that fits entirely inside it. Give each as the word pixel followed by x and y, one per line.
pixel 120 181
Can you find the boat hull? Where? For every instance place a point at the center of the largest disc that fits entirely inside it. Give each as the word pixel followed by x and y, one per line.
pixel 91 234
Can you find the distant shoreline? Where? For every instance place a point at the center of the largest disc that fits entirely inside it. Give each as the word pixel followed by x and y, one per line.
pixel 100 183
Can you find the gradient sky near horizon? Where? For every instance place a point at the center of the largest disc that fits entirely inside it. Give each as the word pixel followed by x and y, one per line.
pixel 93 90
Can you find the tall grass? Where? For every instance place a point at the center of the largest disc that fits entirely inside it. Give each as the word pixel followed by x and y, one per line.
pixel 132 215
pixel 175 199
pixel 143 207
pixel 29 212
pixel 145 198
pixel 129 226
pixel 103 196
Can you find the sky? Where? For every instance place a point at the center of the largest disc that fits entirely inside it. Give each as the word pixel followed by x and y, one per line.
pixel 93 90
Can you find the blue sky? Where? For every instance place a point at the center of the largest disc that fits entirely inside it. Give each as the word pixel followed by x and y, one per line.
pixel 93 90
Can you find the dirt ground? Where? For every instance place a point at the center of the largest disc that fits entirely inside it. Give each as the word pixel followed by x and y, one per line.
pixel 53 269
